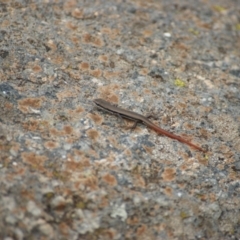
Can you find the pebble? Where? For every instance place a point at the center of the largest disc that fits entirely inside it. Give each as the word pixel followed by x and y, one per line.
pixel 33 209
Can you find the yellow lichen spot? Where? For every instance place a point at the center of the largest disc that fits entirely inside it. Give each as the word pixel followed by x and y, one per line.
pixel 219 8
pixel 237 27
pixel 49 195
pixel 184 215
pixel 81 205
pixel 206 157
pixel 179 83
pixel 193 31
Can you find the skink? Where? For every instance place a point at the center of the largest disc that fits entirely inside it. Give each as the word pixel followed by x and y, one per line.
pixel 140 118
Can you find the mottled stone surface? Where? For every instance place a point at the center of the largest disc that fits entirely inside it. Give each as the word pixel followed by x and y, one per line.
pixel 69 171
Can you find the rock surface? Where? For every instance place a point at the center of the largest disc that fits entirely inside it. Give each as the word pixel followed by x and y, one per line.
pixel 70 171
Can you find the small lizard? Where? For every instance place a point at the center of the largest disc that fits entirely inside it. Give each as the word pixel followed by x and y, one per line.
pixel 140 118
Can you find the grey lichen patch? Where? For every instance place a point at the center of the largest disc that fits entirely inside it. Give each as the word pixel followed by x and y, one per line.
pixel 226 125
pixel 9 92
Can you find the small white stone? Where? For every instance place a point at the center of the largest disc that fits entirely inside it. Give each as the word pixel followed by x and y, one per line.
pixel 57 201
pixel 46 229
pixel 67 146
pixel 10 219
pixel 167 34
pixel 33 209
pixel 79 213
pixel 136 200
pixel 13 152
pixel 120 51
pixel 119 211
pixel 179 194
